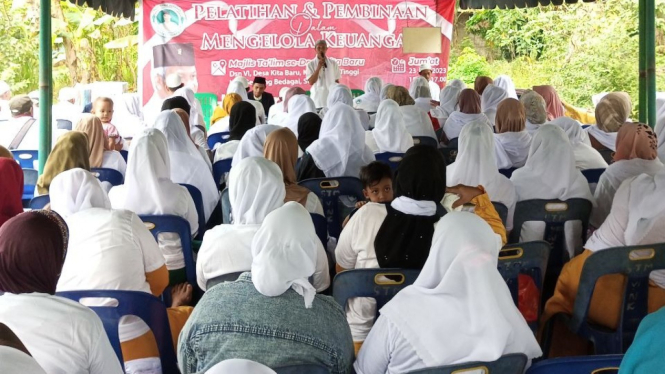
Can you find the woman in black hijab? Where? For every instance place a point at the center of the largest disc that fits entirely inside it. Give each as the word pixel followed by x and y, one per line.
pixel 243 118
pixel 309 126
pixel 176 102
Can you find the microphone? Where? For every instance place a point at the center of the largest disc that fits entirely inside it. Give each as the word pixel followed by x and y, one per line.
pixel 325 63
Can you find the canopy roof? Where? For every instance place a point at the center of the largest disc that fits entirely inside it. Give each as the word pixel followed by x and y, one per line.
pixel 510 4
pixel 125 8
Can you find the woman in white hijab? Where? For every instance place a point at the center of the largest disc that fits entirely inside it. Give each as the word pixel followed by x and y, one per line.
pixel 187 165
pixel 369 101
pixel 490 100
pixel 340 93
pixel 276 113
pixel 298 105
pixel 416 120
pixel 239 366
pixel 447 103
pixel 237 87
pixel 458 83
pixel 505 82
pixel 340 150
pixel 550 173
pixel 511 134
pixel 476 166
pixel 127 114
pixel 390 133
pixel 586 157
pixel 468 110
pixel 256 188
pixel 113 250
pixel 410 333
pixel 420 92
pixel 148 190
pixel 252 143
pixel 196 120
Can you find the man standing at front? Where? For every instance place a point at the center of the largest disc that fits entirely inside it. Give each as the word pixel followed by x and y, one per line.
pixel 258 93
pixel 321 74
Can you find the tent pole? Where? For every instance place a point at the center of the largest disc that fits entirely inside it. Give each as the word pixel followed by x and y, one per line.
pixel 45 74
pixel 643 63
pixel 651 61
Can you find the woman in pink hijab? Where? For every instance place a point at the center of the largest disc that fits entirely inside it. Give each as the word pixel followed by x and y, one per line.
pixel 555 107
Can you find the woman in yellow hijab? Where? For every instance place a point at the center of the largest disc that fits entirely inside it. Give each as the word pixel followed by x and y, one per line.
pixel 224 111
pixel 71 151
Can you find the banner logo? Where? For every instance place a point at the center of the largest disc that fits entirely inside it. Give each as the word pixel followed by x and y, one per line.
pixel 168 20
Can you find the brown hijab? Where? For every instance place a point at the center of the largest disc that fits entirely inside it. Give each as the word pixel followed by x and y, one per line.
pixel 400 95
pixel 469 101
pixel 281 147
pixel 612 111
pixel 481 83
pixel 71 151
pixel 32 252
pixel 185 121
pixel 510 116
pixel 92 127
pixel 552 101
pixel 289 94
pixel 5 153
pixel 636 140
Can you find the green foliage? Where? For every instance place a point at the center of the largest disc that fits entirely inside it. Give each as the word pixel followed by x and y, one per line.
pixel 468 65
pixel 19 48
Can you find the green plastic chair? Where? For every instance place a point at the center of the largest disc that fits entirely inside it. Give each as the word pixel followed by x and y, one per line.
pixel 357 93
pixel 208 103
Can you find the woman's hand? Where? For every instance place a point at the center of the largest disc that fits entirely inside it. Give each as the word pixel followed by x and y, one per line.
pixel 466 194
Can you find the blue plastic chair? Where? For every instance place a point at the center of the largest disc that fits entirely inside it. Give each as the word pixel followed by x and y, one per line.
pixel 220 168
pixel 26 158
pixel 449 154
pixel 425 140
pixel 177 225
pixel 329 191
pixel 198 203
pixel 321 228
pixel 635 263
pixel 39 202
pixel 124 154
pixel 528 258
pixel 593 175
pixel 371 283
pixel 302 369
pixel 108 175
pixel 602 364
pixel 30 177
pixel 502 210
pixel 226 206
pixel 392 159
pixel 513 363
pixel 507 172
pixel 140 304
pixel 220 137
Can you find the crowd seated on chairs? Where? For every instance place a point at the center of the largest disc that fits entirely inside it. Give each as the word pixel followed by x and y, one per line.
pixel 348 239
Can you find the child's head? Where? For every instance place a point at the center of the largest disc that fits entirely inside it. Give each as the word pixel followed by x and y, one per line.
pixel 103 109
pixel 377 180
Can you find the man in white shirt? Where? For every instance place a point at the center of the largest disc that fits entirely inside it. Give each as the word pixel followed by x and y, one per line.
pixel 322 73
pixel 11 134
pixel 65 113
pixel 426 72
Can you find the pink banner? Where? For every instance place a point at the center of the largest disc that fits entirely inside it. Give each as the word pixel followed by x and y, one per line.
pixel 208 43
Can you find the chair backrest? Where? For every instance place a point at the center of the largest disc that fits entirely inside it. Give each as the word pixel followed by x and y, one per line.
pixel 30 177
pixel 502 210
pixel 208 103
pixel 140 304
pixel 124 154
pixel 392 159
pixel 425 140
pixel 602 364
pixel 218 137
pixel 226 206
pixel 636 263
pixel 513 363
pixel 555 213
pixel 355 93
pixel 379 284
pixel 26 158
pixel 593 176
pixel 108 175
pixel 452 143
pixel 321 228
pixel 301 369
pixel 198 203
pixel 329 190
pixel 64 124
pixel 39 202
pixel 178 225
pixel 220 168
pixel 507 172
pixel 449 154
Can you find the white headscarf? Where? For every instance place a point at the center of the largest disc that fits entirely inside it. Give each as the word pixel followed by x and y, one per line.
pixel 76 190
pixel 481 320
pixel 127 114
pixel 256 188
pixel 239 366
pixel 448 100
pixel 607 139
pixel 586 157
pixel 251 144
pixel 187 165
pixel 384 91
pixel 15 361
pixel 516 146
pixel 456 83
pixel 457 120
pixel 369 101
pixel 550 171
pixel 646 206
pixel 285 252
pixel 476 164
pixel 490 99
pixel 390 132
pixel 339 93
pixel 237 87
pixel 417 122
pixel 420 88
pixel 505 82
pixel 660 125
pixel 195 111
pixel 340 149
pixel 148 188
pixel 298 105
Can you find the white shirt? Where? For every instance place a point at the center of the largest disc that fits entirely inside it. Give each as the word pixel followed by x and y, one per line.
pixel 222 125
pixel 13 361
pixel 327 78
pixel 62 335
pixel 9 130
